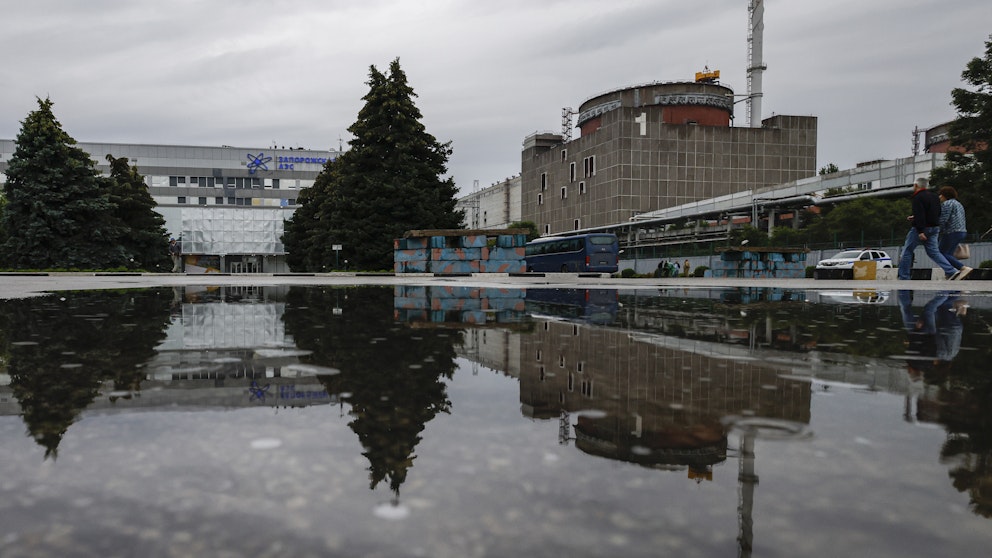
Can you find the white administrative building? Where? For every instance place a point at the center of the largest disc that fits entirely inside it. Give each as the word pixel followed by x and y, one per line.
pixel 226 204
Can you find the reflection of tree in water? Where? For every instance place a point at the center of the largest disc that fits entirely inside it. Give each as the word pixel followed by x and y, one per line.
pixel 961 398
pixel 391 374
pixel 966 412
pixel 61 348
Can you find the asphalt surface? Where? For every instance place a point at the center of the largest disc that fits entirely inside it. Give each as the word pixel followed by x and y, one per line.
pixel 24 285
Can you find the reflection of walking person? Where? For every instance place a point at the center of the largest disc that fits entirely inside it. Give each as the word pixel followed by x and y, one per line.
pixel 175 251
pixel 952 229
pixel 935 333
pixel 934 340
pixel 925 230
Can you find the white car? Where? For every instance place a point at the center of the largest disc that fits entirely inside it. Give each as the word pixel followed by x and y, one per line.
pixel 846 259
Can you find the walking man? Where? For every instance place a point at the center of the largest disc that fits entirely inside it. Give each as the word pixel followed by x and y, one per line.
pixel 925 230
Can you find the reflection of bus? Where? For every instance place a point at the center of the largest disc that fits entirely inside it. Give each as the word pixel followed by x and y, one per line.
pixel 598 306
pixel 582 252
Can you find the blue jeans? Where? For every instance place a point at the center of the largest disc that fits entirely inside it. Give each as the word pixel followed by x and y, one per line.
pixel 930 245
pixel 948 242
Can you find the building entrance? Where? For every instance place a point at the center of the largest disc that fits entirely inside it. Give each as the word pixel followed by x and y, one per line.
pixel 245 264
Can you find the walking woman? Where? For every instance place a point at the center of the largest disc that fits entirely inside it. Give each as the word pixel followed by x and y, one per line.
pixel 952 229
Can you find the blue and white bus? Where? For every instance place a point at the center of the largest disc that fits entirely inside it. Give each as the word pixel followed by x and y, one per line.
pixel 595 252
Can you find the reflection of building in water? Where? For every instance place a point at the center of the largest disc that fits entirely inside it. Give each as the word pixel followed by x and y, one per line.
pixel 494 348
pixel 457 305
pixel 227 318
pixel 648 403
pixel 232 341
pixel 225 347
pixel 216 389
pixel 487 314
pixel 770 324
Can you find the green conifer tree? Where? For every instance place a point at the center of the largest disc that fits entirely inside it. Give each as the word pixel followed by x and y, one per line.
pixel 969 168
pixel 146 242
pixel 389 182
pixel 3 204
pixel 58 212
pixel 304 237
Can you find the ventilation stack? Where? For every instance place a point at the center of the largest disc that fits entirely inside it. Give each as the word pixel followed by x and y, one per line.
pixel 755 65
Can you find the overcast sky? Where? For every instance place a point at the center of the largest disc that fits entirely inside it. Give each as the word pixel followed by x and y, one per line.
pixel 258 73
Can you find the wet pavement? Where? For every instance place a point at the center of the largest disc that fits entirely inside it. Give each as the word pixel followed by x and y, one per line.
pixel 20 284
pixel 497 416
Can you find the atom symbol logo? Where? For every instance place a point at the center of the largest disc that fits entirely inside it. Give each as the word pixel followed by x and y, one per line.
pixel 256 162
pixel 257 393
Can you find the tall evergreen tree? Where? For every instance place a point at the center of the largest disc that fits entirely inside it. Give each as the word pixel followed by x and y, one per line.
pixel 3 204
pixel 146 242
pixel 304 236
pixel 969 167
pixel 390 181
pixel 58 211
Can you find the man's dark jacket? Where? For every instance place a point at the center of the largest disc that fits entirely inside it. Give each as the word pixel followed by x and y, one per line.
pixel 926 210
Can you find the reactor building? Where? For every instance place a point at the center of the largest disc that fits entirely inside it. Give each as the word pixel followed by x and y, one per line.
pixel 653 146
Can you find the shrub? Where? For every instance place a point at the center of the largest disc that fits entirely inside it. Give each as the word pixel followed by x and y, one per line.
pixel 700 271
pixel 627 273
pixel 987 264
pixel 810 270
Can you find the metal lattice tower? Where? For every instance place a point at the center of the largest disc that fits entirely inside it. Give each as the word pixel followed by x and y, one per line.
pixel 564 428
pixel 566 124
pixel 472 204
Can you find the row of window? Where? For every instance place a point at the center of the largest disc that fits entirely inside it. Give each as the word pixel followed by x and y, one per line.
pixel 576 225
pixel 229 182
pixel 585 384
pixel 231 200
pixel 588 170
pixel 564 193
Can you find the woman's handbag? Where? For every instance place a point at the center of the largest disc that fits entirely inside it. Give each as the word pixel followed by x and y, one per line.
pixel 962 252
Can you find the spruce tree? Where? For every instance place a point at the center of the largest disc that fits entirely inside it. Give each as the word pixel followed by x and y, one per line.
pixel 968 166
pixel 389 182
pixel 58 212
pixel 146 241
pixel 3 232
pixel 304 236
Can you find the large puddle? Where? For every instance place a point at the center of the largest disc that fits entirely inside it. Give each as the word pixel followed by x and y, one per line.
pixel 475 422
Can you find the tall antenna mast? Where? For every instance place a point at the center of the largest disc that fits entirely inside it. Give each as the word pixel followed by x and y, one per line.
pixel 755 65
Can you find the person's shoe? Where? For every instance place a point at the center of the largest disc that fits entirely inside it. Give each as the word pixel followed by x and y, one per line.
pixel 962 273
pixel 953 276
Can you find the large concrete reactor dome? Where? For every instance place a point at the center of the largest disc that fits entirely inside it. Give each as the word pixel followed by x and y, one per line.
pixel 703 104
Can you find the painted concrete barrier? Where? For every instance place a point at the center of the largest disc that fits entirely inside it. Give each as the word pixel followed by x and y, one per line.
pixel 459 251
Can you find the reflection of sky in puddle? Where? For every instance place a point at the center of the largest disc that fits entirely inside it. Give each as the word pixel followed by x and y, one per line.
pixel 453 422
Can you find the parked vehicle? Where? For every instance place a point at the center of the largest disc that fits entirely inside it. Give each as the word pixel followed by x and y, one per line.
pixel 595 252
pixel 846 259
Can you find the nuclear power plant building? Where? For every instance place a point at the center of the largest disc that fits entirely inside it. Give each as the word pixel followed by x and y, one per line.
pixel 654 146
